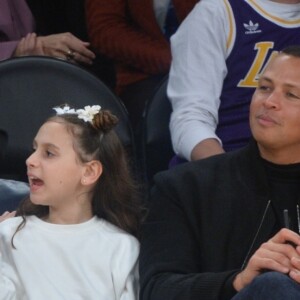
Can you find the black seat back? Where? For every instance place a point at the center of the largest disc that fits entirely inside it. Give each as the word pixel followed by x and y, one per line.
pixel 157 147
pixel 29 88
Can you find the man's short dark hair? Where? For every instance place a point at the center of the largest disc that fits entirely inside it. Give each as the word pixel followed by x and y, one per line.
pixel 293 50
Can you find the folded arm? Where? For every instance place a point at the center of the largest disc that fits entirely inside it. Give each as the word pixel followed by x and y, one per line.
pixel 196 78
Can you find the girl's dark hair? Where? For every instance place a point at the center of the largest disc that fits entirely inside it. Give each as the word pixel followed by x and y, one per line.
pixel 115 197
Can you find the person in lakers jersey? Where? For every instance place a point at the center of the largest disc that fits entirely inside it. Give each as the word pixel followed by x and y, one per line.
pixel 218 54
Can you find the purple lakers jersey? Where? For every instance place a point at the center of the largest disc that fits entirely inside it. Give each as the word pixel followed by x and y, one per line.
pixel 255 36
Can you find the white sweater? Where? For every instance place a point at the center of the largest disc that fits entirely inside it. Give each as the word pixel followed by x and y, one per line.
pixel 91 260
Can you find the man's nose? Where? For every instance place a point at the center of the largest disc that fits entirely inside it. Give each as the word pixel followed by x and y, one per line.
pixel 273 100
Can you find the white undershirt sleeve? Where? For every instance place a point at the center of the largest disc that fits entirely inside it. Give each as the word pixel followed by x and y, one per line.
pixel 196 77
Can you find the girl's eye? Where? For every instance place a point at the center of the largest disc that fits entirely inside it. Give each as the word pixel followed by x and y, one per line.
pixel 49 154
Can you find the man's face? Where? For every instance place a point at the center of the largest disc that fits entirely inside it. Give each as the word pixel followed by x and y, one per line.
pixel 275 108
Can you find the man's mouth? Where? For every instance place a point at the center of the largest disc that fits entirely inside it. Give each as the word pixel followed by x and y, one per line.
pixel 266 120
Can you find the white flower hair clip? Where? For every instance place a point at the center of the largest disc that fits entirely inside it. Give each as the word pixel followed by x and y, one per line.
pixel 87 114
pixel 64 110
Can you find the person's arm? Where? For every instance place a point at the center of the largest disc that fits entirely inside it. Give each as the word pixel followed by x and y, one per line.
pixel 16 21
pixel 7 49
pixel 113 33
pixel 125 269
pixel 56 45
pixel 196 77
pixel 10 286
pixel 29 45
pixel 64 44
pixel 277 254
pixel 206 148
pixel 7 286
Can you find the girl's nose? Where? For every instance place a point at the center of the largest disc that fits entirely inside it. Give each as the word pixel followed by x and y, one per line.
pixel 31 161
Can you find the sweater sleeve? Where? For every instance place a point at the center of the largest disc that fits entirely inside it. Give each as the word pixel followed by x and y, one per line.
pixel 10 285
pixel 10 288
pixel 113 33
pixel 16 21
pixel 171 261
pixel 7 49
pixel 125 269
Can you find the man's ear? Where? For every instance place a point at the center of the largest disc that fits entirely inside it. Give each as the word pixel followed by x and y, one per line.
pixel 92 171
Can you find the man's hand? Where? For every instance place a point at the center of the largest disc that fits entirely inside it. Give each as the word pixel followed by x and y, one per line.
pixel 274 255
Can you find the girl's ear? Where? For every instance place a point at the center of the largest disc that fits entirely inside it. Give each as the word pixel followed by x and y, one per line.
pixel 92 171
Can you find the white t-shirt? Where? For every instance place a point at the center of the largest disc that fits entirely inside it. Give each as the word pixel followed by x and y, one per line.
pixel 200 48
pixel 87 261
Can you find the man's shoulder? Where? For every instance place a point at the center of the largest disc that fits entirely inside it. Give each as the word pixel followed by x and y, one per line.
pixel 214 179
pixel 206 165
pixel 207 173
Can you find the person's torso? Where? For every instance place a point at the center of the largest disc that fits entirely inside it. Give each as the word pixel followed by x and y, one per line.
pixel 16 20
pixel 141 15
pixel 70 262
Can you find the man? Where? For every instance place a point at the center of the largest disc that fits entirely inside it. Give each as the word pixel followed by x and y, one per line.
pixel 214 229
pixel 218 53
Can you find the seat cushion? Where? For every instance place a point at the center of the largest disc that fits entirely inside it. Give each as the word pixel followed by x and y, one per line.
pixel 11 193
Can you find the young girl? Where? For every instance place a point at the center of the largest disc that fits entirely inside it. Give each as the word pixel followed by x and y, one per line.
pixel 75 237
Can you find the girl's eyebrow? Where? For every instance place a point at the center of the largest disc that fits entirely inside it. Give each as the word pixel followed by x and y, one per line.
pixel 50 145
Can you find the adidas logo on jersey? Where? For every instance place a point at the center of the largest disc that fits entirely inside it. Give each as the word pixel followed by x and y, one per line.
pixel 251 28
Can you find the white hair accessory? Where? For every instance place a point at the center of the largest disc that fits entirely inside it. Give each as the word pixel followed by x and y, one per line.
pixel 87 114
pixel 64 110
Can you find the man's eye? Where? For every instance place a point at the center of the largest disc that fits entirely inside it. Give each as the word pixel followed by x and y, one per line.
pixel 263 88
pixel 291 95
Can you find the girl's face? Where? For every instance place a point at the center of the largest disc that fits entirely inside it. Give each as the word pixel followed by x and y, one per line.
pixel 54 169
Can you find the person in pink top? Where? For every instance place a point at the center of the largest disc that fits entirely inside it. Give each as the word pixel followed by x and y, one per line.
pixel 18 37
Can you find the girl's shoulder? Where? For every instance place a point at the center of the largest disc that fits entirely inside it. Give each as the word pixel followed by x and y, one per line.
pixel 116 234
pixel 10 222
pixel 10 225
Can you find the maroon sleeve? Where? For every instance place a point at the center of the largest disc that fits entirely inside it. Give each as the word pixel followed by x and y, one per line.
pixel 128 34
